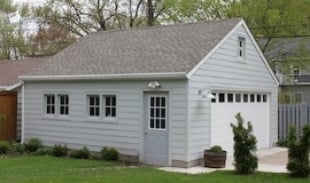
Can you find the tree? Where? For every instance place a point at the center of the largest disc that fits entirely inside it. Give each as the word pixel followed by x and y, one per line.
pixel 298 154
pixel 194 10
pixel 272 18
pixel 83 17
pixel 244 147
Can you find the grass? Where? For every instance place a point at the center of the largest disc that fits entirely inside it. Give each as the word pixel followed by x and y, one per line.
pixel 41 169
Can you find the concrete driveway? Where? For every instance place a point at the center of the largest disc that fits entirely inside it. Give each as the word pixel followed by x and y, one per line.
pixel 269 160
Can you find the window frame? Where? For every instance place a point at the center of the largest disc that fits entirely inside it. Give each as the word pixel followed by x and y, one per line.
pixel 301 97
pixel 45 97
pixel 111 106
pixel 241 48
pixel 94 106
pixel 66 105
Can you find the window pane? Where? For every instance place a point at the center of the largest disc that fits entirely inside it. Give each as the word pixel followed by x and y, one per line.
pixel 163 113
pixel 252 98
pixel 91 100
pixel 62 110
pixel 157 101
pixel 114 101
pixel 107 112
pixel 230 97
pixel 107 101
pixel 114 112
pixel 163 124
pixel 97 111
pixel 152 123
pixel 157 123
pixel 152 112
pixel 245 98
pixel 238 97
pixel 221 97
pixel 91 111
pixel 157 112
pixel 163 101
pixel 152 101
pixel 48 109
pixel 258 98
pixel 264 98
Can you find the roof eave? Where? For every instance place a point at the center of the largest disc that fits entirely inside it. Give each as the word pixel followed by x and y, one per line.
pixel 134 76
pixel 10 87
pixel 296 84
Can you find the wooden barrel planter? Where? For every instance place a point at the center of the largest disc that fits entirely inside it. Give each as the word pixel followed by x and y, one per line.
pixel 214 159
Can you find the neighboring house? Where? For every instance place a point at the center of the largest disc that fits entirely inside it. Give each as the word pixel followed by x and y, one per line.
pixel 147 92
pixel 294 76
pixel 9 81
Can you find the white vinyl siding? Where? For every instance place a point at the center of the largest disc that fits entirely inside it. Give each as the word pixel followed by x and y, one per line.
pixel 224 71
pixel 124 133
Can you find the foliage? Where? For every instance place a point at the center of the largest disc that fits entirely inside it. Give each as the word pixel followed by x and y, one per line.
pixel 298 164
pixel 83 153
pixel 4 147
pixel 216 148
pixel 36 169
pixel 33 144
pixel 109 154
pixel 17 147
pixel 244 147
pixel 59 150
pixel 282 142
pixel 44 151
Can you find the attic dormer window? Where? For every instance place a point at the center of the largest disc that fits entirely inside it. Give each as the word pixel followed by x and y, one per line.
pixel 241 48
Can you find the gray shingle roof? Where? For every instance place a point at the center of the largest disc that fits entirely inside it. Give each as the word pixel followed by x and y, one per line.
pixel 172 48
pixel 11 70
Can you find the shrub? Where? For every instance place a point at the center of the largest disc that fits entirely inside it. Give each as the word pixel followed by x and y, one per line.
pixel 4 147
pixel 2 118
pixel 298 153
pixel 282 142
pixel 17 147
pixel 80 153
pixel 59 150
pixel 109 154
pixel 244 147
pixel 43 151
pixel 33 145
pixel 216 148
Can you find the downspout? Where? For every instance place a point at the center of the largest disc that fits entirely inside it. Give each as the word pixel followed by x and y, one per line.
pixel 23 114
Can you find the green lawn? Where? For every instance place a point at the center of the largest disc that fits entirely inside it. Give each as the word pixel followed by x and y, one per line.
pixel 43 169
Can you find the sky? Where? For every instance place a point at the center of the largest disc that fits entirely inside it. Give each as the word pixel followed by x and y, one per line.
pixel 32 2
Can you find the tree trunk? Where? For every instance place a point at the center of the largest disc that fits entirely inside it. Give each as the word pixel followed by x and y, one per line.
pixel 150 13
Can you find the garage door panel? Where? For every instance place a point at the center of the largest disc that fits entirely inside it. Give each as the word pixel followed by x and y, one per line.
pixel 223 114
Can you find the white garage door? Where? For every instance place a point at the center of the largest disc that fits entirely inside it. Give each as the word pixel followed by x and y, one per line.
pixel 254 107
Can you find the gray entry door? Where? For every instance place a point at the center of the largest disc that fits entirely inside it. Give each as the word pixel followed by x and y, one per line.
pixel 156 129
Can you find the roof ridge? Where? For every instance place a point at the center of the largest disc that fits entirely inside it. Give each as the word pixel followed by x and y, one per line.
pixel 165 26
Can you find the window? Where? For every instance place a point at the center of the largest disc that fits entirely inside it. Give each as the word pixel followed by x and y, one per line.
pixel 94 105
pixel 221 97
pixel 298 97
pixel 157 113
pixel 63 104
pixel 238 97
pixel 245 98
pixel 50 104
pixel 264 98
pixel 110 105
pixel 258 98
pixel 296 73
pixel 252 98
pixel 241 48
pixel 230 97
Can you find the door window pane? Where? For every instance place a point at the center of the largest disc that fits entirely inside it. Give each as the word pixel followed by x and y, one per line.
pixel 157 112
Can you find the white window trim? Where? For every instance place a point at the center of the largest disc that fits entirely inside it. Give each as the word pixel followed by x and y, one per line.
pixel 302 97
pixel 101 118
pixel 66 105
pixel 56 114
pixel 241 49
pixel 149 116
